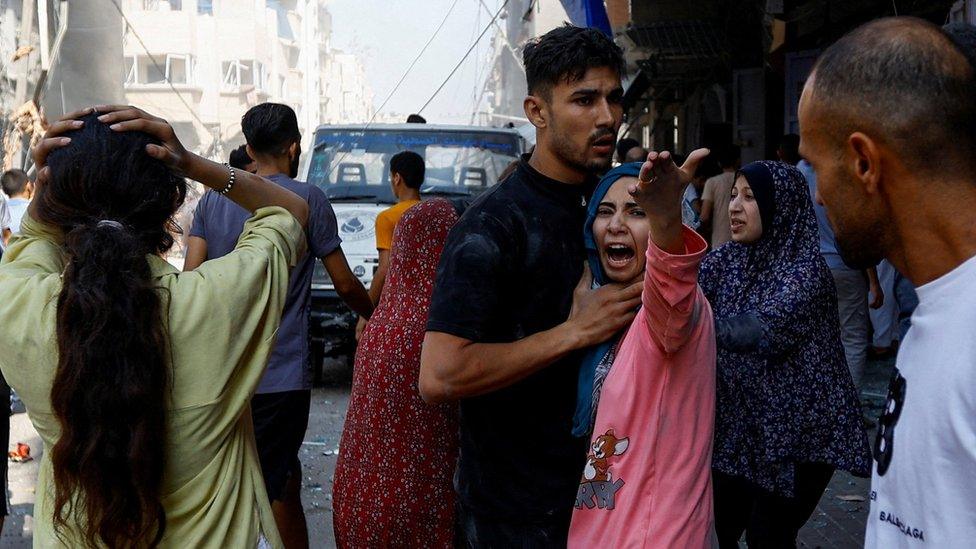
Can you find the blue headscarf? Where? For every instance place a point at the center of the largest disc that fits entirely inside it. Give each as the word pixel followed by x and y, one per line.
pixel 584 393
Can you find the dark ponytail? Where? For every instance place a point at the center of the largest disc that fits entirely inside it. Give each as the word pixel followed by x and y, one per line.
pixel 114 205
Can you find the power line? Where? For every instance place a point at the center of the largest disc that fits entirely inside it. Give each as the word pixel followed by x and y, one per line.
pixel 402 78
pixel 508 45
pixel 466 54
pixel 215 136
pixel 160 68
pixel 405 73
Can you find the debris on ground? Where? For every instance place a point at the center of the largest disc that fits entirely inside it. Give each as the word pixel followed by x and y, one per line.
pixel 21 454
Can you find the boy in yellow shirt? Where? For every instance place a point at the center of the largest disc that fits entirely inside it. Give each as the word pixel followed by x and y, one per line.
pixel 406 177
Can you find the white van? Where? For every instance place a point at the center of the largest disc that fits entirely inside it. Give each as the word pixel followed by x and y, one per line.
pixel 351 164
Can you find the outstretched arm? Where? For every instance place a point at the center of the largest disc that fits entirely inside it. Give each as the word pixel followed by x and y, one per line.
pixel 671 299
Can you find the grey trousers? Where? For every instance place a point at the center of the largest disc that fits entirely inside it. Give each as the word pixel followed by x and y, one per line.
pixel 852 304
pixel 884 320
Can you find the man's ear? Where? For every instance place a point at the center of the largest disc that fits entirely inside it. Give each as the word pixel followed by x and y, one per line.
pixel 865 159
pixel 250 151
pixel 536 110
pixel 292 150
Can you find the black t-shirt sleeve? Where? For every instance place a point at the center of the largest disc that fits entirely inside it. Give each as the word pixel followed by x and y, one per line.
pixel 468 289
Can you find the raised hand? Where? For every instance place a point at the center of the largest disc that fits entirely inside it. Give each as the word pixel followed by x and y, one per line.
pixel 659 190
pixel 661 183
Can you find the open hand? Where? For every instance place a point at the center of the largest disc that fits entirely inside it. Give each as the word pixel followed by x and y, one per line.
pixel 661 184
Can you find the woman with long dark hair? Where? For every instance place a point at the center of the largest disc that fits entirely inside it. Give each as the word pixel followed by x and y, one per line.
pixel 136 376
pixel 787 413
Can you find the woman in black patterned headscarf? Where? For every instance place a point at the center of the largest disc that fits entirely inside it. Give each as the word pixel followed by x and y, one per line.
pixel 787 413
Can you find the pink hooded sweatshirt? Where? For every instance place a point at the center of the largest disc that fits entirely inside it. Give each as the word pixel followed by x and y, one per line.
pixel 647 480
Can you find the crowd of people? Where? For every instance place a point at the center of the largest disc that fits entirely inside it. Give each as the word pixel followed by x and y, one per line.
pixel 665 353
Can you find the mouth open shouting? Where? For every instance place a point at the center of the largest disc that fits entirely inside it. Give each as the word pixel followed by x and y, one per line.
pixel 619 256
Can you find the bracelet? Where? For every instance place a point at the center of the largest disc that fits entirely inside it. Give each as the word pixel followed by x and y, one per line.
pixel 230 184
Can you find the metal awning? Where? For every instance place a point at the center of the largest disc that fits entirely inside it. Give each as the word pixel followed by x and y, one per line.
pixel 678 51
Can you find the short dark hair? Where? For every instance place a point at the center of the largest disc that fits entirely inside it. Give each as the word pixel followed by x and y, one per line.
pixel 410 166
pixel 14 181
pixel 416 119
pixel 565 53
pixel 907 80
pixel 625 145
pixel 789 148
pixel 729 155
pixel 270 128
pixel 239 158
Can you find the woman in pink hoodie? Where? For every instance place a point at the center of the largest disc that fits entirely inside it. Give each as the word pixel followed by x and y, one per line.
pixel 647 478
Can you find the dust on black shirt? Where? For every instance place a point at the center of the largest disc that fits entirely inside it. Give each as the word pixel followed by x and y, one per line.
pixel 508 270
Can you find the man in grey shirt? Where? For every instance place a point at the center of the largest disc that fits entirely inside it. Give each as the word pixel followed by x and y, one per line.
pixel 716 198
pixel 281 405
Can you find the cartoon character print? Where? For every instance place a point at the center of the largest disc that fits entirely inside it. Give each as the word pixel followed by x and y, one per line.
pixel 598 488
pixel 598 462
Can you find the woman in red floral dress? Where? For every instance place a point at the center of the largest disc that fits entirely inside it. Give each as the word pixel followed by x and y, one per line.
pixel 393 480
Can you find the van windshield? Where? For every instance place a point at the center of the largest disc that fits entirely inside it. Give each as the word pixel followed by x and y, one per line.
pixel 354 165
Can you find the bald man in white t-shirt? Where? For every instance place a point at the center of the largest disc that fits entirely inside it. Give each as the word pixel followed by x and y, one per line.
pixel 887 120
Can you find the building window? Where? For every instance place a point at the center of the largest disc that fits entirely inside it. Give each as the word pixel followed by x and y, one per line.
pixel 130 70
pixel 172 68
pixel 162 5
pixel 151 70
pixel 281 11
pixel 674 125
pixel 239 73
pixel 178 69
pixel 205 7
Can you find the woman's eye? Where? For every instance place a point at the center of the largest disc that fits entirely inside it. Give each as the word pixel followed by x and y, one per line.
pixel 604 212
pixel 638 213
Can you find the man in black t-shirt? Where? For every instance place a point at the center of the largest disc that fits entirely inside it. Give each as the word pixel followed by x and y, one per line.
pixel 506 327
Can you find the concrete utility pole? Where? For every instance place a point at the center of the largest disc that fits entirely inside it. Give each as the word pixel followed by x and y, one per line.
pixel 89 67
pixel 26 30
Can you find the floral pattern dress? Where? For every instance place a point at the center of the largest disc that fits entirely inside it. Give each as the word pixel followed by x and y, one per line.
pixel 792 399
pixel 393 481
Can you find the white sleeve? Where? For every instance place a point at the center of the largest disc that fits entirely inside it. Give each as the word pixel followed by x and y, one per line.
pixel 4 214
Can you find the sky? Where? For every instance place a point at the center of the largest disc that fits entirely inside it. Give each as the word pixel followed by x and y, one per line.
pixel 388 34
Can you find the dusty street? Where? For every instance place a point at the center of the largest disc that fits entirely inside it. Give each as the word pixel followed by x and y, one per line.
pixel 837 523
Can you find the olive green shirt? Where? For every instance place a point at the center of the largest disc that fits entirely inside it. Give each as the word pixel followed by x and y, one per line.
pixel 222 319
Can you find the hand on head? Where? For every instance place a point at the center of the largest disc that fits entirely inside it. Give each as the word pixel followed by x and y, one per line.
pixel 119 118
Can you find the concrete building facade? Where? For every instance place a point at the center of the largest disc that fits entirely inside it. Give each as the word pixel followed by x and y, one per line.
pixel 506 87
pixel 202 63
pixel 348 98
